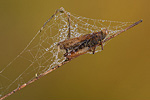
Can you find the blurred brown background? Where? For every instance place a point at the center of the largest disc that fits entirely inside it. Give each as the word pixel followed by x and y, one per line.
pixel 120 72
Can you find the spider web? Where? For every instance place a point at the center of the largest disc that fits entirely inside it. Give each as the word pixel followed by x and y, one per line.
pixel 41 54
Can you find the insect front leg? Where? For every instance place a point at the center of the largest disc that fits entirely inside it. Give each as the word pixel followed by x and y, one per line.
pixel 101 42
pixel 66 50
pixel 66 53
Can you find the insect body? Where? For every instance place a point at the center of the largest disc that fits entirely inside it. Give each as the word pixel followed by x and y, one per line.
pixel 80 45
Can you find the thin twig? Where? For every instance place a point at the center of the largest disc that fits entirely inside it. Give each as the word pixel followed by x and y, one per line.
pixel 50 70
pixel 136 23
pixel 34 79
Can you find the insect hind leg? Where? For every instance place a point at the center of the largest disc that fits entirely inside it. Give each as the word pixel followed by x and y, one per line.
pixel 61 10
pixel 69 33
pixel 68 16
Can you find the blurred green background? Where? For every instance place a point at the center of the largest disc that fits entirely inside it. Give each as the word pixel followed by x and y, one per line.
pixel 120 72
